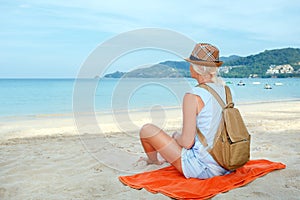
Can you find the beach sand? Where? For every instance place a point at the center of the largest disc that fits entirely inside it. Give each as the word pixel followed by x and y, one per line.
pixel 47 157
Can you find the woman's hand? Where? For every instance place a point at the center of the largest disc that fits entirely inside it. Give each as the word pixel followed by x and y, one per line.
pixel 175 135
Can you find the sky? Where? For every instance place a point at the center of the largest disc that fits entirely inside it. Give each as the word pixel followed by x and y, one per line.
pixel 53 38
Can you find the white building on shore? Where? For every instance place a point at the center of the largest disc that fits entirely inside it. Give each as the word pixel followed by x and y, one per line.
pixel 280 69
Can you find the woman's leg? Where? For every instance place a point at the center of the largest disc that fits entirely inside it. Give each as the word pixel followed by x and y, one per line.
pixel 155 140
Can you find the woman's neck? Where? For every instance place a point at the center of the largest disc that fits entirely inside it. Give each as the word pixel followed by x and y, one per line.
pixel 203 80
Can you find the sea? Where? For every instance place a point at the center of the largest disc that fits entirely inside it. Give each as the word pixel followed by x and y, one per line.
pixel 33 97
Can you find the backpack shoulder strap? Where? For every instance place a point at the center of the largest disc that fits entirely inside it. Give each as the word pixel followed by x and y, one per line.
pixel 217 96
pixel 228 97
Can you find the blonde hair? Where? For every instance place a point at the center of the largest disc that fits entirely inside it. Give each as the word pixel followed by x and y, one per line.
pixel 209 73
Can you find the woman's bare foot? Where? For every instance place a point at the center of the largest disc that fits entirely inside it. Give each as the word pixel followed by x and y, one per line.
pixel 150 162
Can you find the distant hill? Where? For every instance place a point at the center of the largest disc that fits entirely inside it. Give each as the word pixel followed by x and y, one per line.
pixel 230 58
pixel 259 63
pixel 234 66
pixel 116 74
pixel 167 69
pixel 170 69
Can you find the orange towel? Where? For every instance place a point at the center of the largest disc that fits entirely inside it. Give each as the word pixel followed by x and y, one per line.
pixel 170 182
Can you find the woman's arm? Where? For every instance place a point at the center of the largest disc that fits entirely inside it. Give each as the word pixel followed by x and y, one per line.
pixel 192 105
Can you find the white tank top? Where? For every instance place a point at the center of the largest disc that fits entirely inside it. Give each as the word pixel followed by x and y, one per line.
pixel 209 118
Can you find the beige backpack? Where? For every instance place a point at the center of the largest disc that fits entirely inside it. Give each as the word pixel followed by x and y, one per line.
pixel 231 147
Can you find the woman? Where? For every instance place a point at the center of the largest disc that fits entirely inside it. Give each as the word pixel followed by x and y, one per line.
pixel 200 110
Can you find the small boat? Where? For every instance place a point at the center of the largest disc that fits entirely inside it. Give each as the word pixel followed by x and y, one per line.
pixel 229 82
pixel 278 83
pixel 267 86
pixel 256 83
pixel 241 83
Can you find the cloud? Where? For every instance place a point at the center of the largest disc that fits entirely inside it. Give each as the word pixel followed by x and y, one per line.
pixel 24 6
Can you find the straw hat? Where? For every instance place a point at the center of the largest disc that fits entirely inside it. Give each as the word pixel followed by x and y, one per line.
pixel 206 55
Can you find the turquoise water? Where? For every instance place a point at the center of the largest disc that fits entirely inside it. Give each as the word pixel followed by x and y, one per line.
pixel 49 96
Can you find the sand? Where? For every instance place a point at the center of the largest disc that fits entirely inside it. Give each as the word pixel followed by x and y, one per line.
pixel 49 157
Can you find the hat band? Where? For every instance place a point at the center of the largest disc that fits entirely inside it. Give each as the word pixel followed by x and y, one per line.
pixel 198 59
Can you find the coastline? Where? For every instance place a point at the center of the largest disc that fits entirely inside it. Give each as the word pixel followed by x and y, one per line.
pixel 64 124
pixel 45 156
